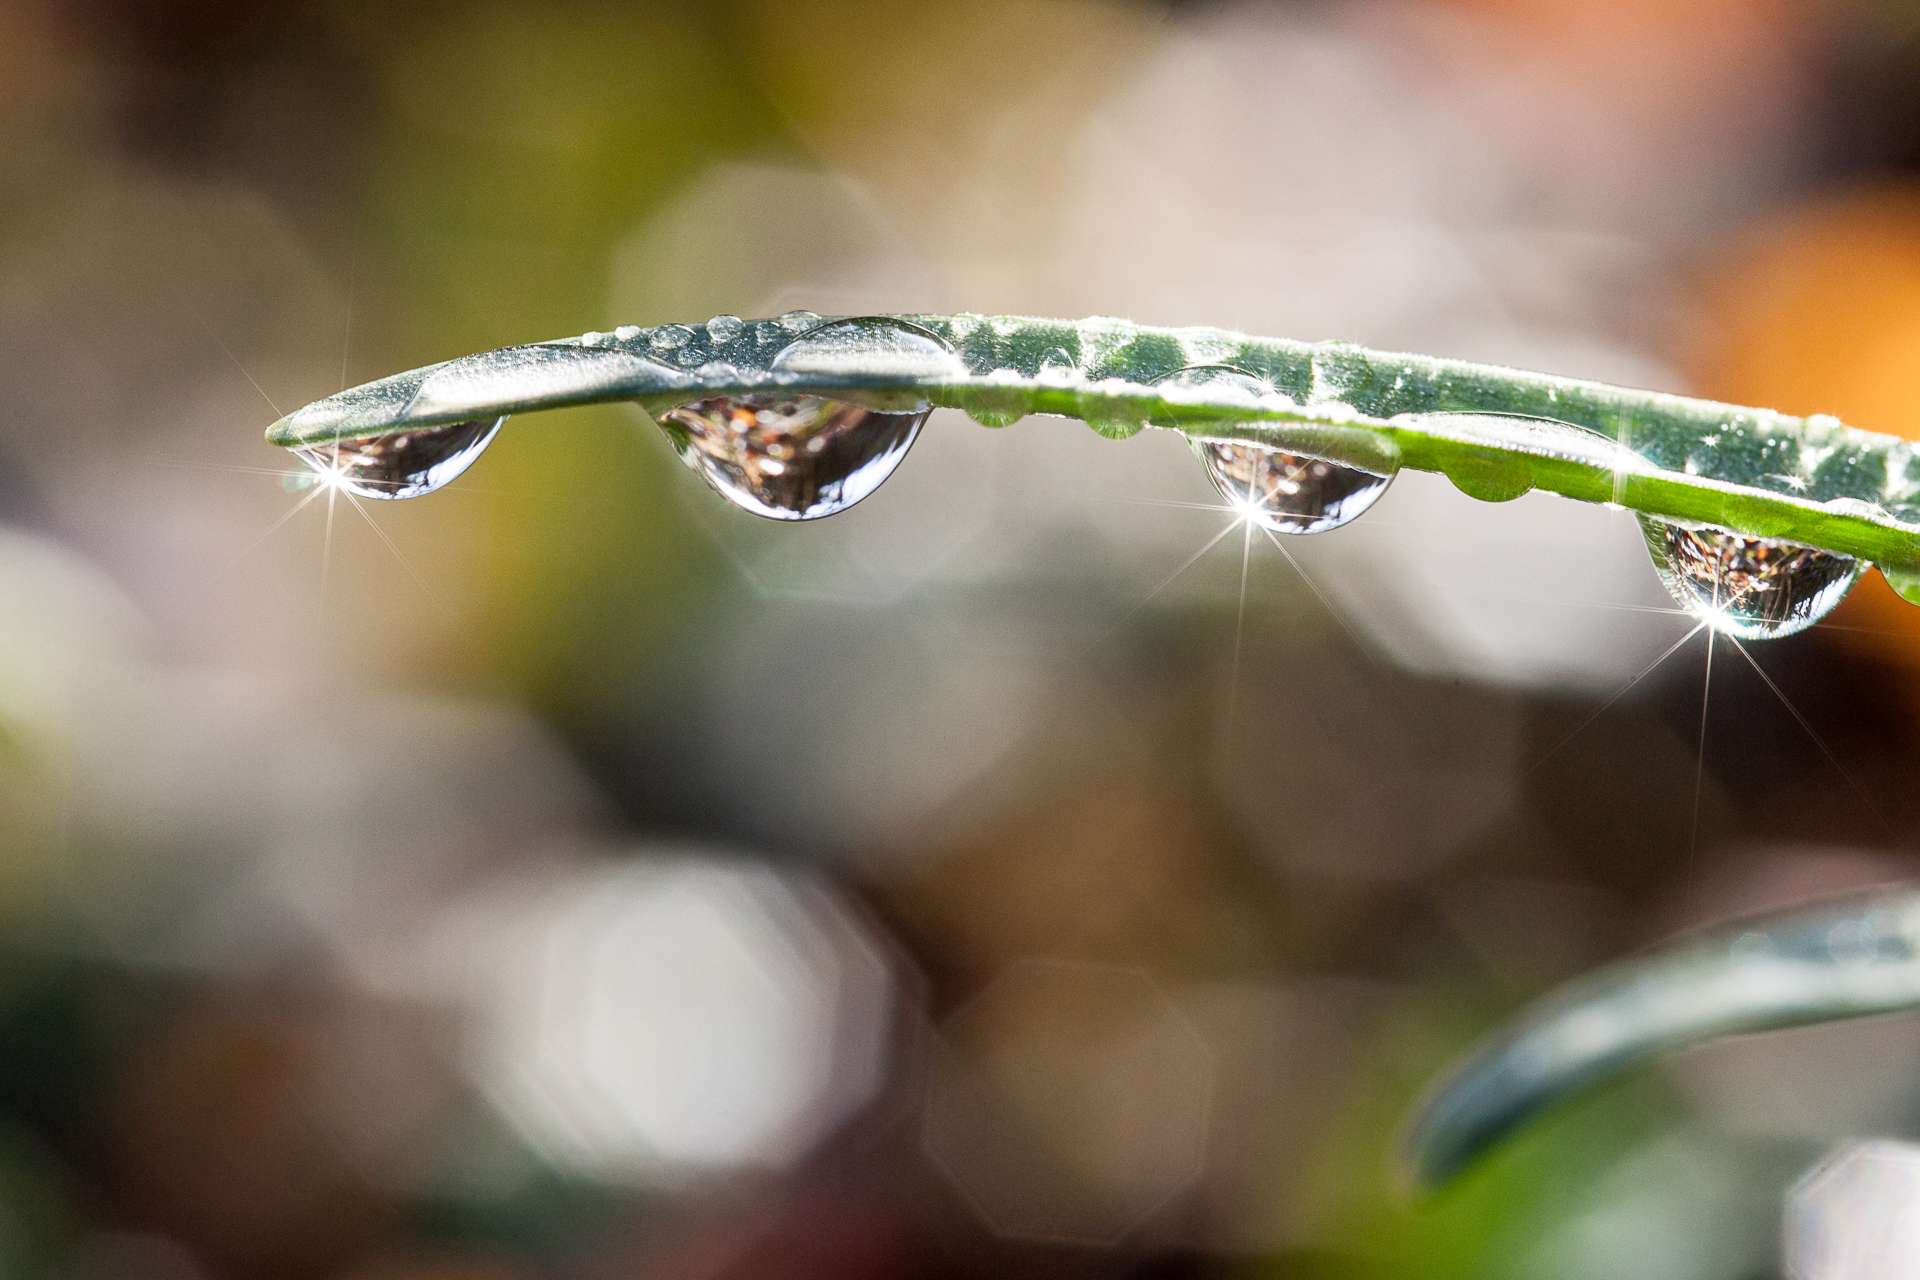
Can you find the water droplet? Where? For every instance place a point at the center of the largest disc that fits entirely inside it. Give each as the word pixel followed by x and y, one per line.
pixel 1752 588
pixel 1289 492
pixel 401 464
pixel 795 321
pixel 1214 379
pixel 875 348
pixel 543 375
pixel 1905 583
pixel 1113 413
pixel 1056 364
pixel 724 328
pixel 995 406
pixel 791 457
pixel 670 337
pixel 627 332
pixel 1493 479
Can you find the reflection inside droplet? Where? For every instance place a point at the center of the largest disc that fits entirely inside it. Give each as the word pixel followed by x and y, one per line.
pixel 1753 588
pixel 402 464
pixel 1289 492
pixel 791 457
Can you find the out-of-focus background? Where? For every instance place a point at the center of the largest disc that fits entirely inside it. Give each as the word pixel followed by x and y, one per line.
pixel 571 875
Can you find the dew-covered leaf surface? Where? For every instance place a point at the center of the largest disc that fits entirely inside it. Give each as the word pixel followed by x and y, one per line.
pixel 1497 433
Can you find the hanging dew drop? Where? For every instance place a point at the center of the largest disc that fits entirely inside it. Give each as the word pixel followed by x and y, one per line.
pixel 403 464
pixel 1286 490
pixel 995 406
pixel 791 457
pixel 1113 417
pixel 1289 492
pixel 1751 588
pixel 795 456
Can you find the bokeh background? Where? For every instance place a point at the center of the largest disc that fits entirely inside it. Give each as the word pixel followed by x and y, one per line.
pixel 571 876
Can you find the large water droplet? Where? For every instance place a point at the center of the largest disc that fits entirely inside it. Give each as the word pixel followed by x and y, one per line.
pixel 401 464
pixel 878 350
pixel 791 457
pixel 1753 588
pixel 1289 492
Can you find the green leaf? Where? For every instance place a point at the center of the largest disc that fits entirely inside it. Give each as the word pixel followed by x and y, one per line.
pixel 1497 433
pixel 1843 958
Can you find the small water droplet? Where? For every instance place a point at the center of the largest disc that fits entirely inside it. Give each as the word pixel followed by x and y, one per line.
pixel 725 328
pixel 1752 588
pixel 671 337
pixel 795 321
pixel 1289 492
pixel 595 339
pixel 1113 413
pixel 995 406
pixel 1905 583
pixel 627 332
pixel 792 457
pixel 1056 364
pixel 402 464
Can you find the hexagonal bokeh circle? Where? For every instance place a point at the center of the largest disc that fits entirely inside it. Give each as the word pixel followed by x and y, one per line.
pixel 651 1021
pixel 1857 1215
pixel 1069 1101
